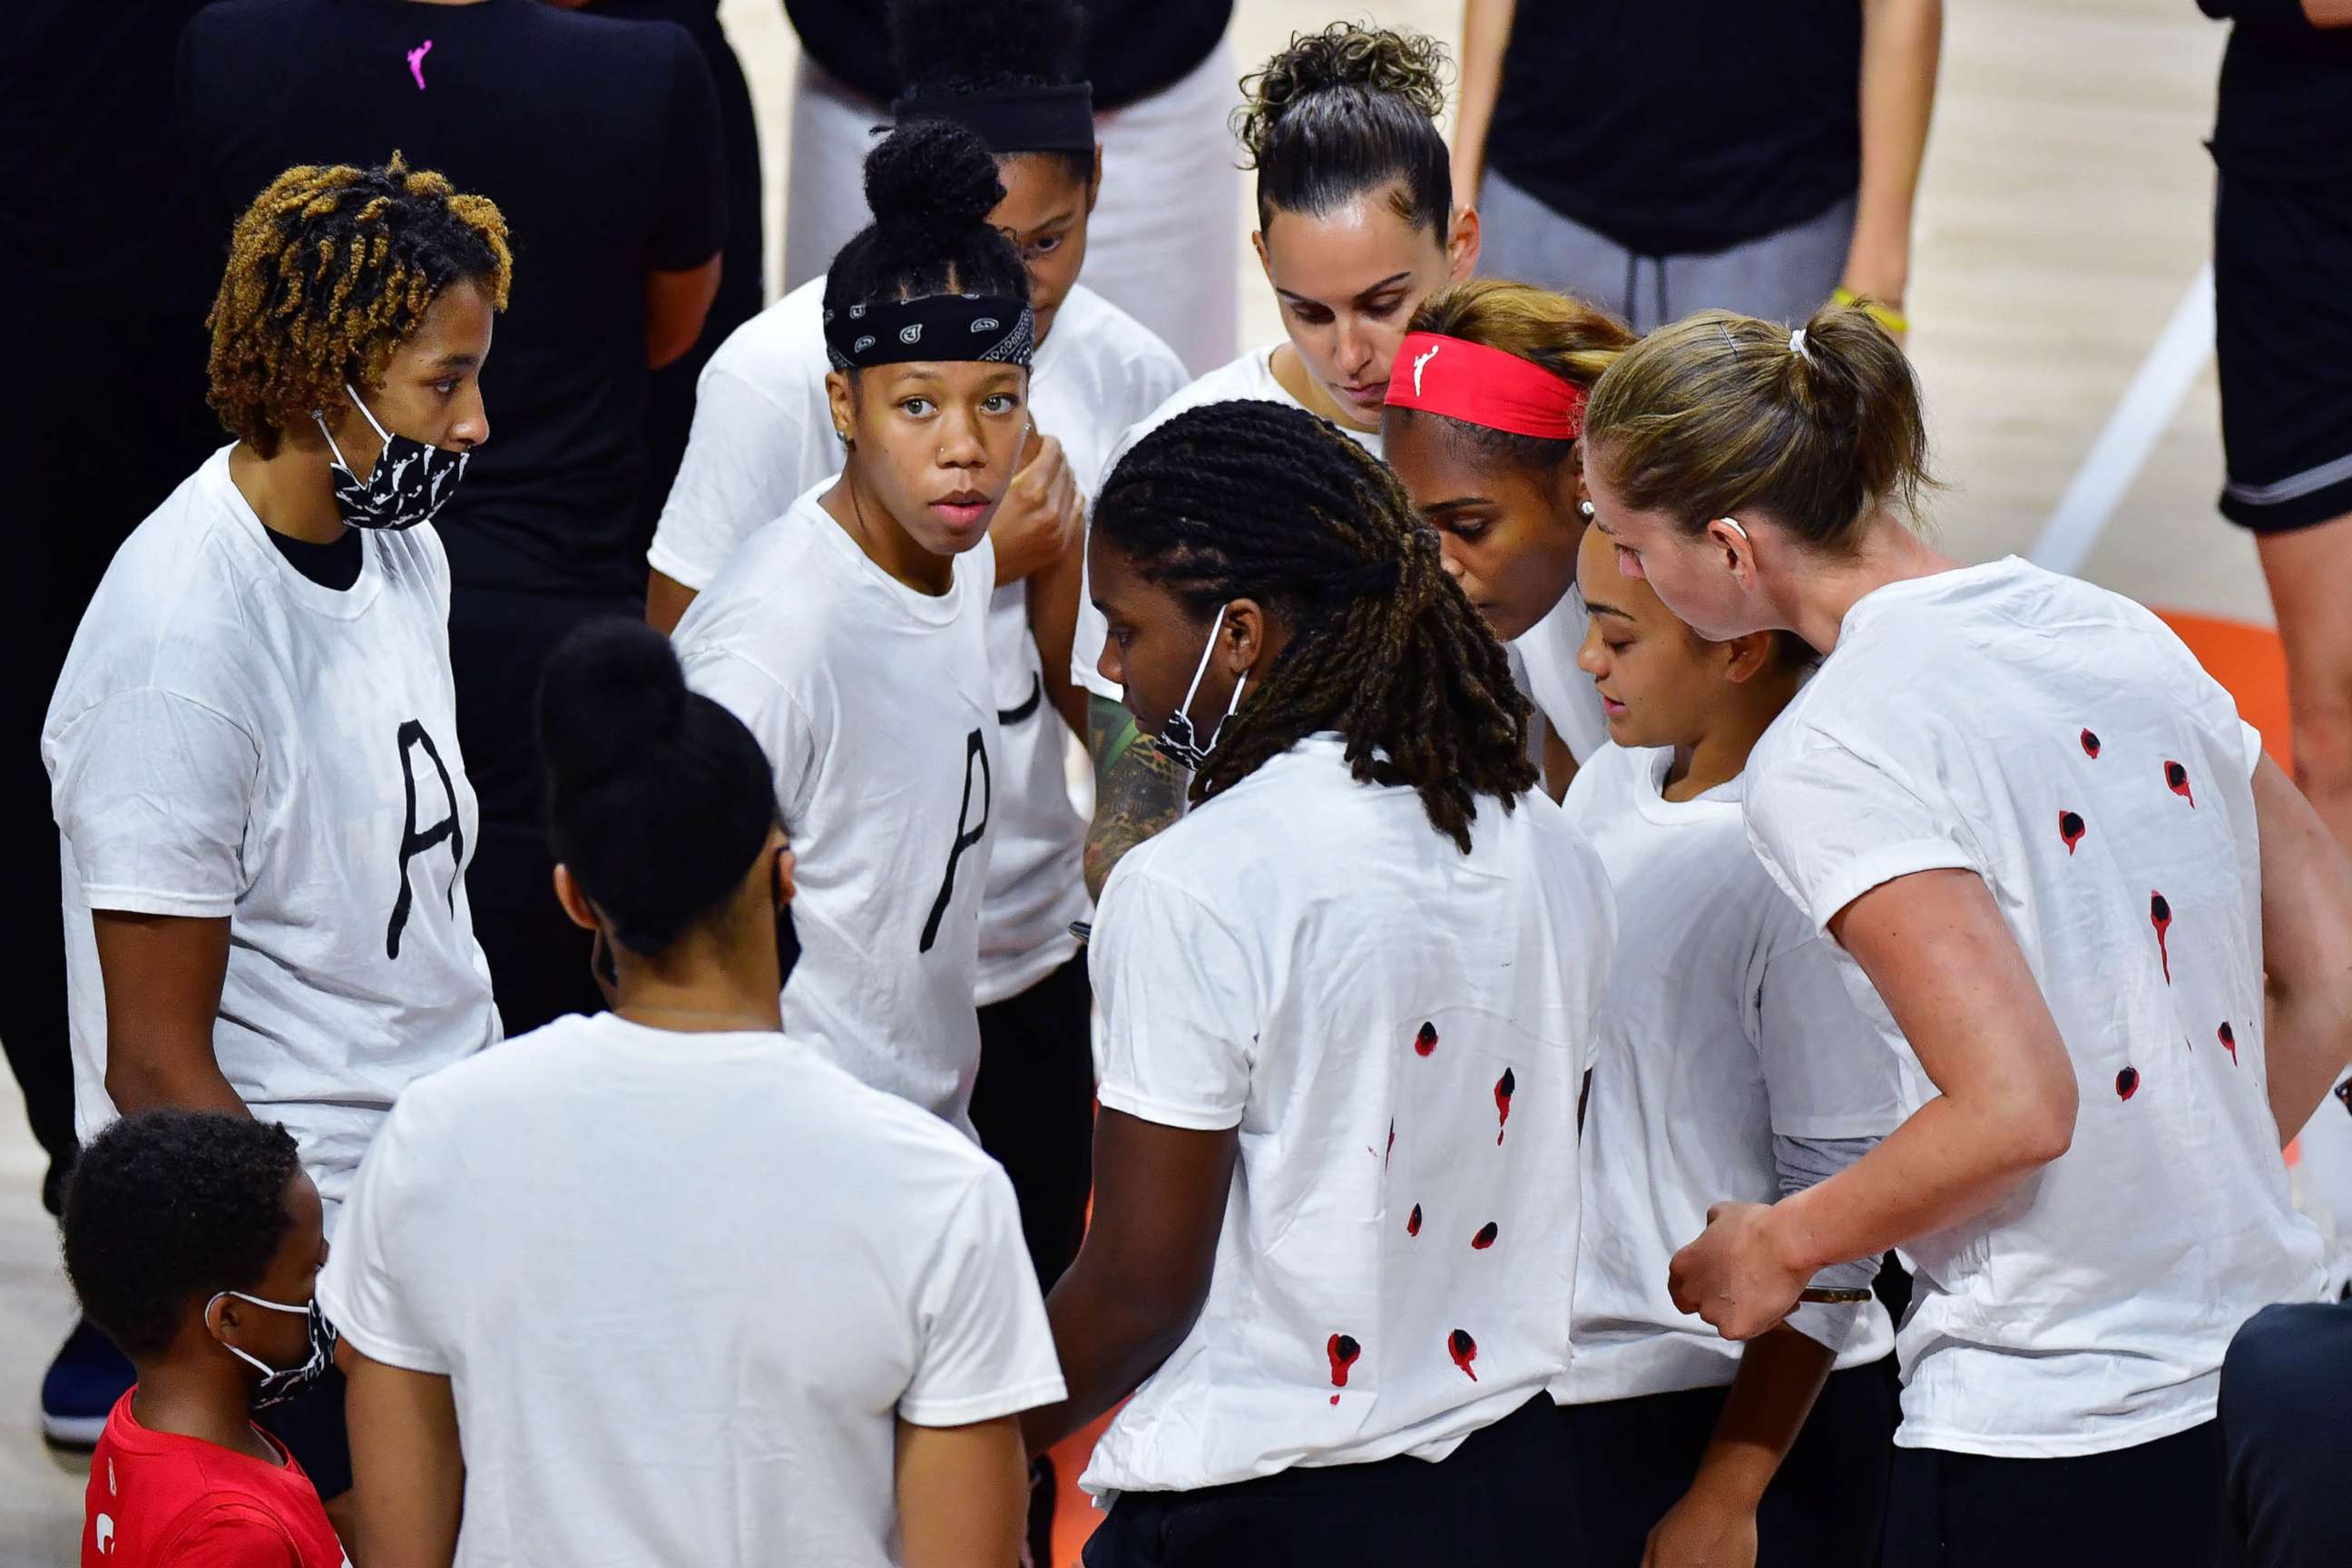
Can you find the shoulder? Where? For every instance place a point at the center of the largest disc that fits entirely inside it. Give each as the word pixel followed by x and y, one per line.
pixel 1245 378
pixel 878 1130
pixel 1117 348
pixel 229 1529
pixel 780 350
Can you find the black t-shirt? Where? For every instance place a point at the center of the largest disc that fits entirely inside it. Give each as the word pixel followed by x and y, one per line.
pixel 1134 48
pixel 599 141
pixel 2285 109
pixel 1681 126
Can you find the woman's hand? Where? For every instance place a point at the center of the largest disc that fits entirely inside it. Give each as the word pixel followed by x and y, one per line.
pixel 1706 1528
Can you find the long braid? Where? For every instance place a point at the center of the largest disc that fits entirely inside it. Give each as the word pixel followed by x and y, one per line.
pixel 1261 501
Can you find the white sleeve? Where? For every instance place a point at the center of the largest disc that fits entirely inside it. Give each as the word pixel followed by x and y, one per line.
pixel 1180 1018
pixel 371 1283
pixel 154 791
pixel 749 454
pixel 793 743
pixel 1830 825
pixel 1830 1072
pixel 2252 740
pixel 987 1350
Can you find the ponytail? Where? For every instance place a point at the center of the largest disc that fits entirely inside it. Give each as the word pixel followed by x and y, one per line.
pixel 1720 413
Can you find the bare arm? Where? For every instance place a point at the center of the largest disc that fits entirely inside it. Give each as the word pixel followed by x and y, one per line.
pixel 964 1494
pixel 1901 42
pixel 2328 13
pixel 2306 950
pixel 408 1474
pixel 162 976
pixel 1780 1374
pixel 1485 34
pixel 1054 624
pixel 1143 1269
pixel 666 601
pixel 676 305
pixel 1138 791
pixel 1952 973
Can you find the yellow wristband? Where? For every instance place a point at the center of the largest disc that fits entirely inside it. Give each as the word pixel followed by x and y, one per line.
pixel 1893 321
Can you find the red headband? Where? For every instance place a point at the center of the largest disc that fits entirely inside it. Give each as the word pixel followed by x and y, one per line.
pixel 1485 386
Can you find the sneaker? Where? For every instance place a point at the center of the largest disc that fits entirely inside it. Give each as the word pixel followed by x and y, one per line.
pixel 82 1386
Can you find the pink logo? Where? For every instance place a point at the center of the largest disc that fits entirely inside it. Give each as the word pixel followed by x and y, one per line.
pixel 416 62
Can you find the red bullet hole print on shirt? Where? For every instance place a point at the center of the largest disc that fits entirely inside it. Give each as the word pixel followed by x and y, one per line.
pixel 1463 1350
pixel 2126 1083
pixel 2070 830
pixel 2176 779
pixel 1486 1236
pixel 1504 1087
pixel 2229 1038
pixel 1343 1352
pixel 2160 915
pixel 1426 1041
pixel 1413 1221
pixel 2090 745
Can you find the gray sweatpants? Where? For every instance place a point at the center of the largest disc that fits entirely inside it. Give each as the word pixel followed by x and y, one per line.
pixel 1783 277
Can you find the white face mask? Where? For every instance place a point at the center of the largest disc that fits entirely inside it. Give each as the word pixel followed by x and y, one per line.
pixel 1176 738
pixel 279 1384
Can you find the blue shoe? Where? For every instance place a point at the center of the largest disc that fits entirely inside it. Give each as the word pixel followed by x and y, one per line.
pixel 82 1386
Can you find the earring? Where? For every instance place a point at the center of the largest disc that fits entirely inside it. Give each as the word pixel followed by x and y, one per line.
pixel 1585 507
pixel 842 436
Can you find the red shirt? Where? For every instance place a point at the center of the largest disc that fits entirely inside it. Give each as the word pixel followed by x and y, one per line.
pixel 158 1499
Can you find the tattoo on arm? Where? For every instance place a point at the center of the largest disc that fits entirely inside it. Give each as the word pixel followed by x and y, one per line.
pixel 1138 791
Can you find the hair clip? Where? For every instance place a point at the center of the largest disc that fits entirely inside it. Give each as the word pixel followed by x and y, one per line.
pixel 1797 345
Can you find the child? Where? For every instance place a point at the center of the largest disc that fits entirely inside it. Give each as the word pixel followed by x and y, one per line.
pixel 193 1238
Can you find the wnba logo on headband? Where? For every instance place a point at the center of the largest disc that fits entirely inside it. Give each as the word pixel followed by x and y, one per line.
pixel 1485 386
pixel 941 326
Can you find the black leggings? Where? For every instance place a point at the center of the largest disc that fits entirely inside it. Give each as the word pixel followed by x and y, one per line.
pixel 1034 1106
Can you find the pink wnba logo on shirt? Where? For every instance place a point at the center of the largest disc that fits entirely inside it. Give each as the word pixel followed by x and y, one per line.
pixel 416 62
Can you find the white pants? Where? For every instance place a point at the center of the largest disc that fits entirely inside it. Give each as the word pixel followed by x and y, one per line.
pixel 1164 244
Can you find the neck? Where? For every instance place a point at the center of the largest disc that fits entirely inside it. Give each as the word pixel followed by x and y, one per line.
pixel 853 505
pixel 292 493
pixel 207 1397
pixel 1719 753
pixel 1825 587
pixel 692 990
pixel 1291 371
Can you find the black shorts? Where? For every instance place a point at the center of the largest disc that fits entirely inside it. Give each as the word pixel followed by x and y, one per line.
pixel 2158 1505
pixel 2283 306
pixel 1504 1496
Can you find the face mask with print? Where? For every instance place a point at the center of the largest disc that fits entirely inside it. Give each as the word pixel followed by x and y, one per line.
pixel 279 1384
pixel 409 483
pixel 1176 738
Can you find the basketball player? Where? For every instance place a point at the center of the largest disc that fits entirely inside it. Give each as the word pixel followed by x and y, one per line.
pixel 2117 939
pixel 1481 425
pixel 661 1285
pixel 1347 1003
pixel 851 632
pixel 1357 224
pixel 253 751
pixel 1730 1062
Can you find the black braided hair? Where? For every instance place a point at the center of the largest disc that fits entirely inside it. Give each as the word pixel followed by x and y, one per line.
pixel 1258 500
pixel 931 184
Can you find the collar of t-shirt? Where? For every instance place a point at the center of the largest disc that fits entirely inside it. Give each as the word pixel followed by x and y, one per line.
pixel 1987 577
pixel 932 609
pixel 1649 791
pixel 335 566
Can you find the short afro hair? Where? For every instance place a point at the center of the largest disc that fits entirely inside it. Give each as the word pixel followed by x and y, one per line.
pixel 168 1206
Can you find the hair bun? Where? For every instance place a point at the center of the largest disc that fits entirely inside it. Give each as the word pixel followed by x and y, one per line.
pixel 610 688
pixel 1391 61
pixel 932 177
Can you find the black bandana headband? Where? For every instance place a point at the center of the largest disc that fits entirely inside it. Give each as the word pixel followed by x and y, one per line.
pixel 1017 120
pixel 988 329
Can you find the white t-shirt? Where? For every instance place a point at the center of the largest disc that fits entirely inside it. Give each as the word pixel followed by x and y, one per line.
pixel 1564 695
pixel 229 738
pixel 763 435
pixel 685 1285
pixel 1398 1030
pixel 1726 1023
pixel 1248 379
pixel 2028 726
pixel 875 706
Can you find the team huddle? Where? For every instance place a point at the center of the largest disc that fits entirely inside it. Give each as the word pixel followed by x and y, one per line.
pixel 1574 881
